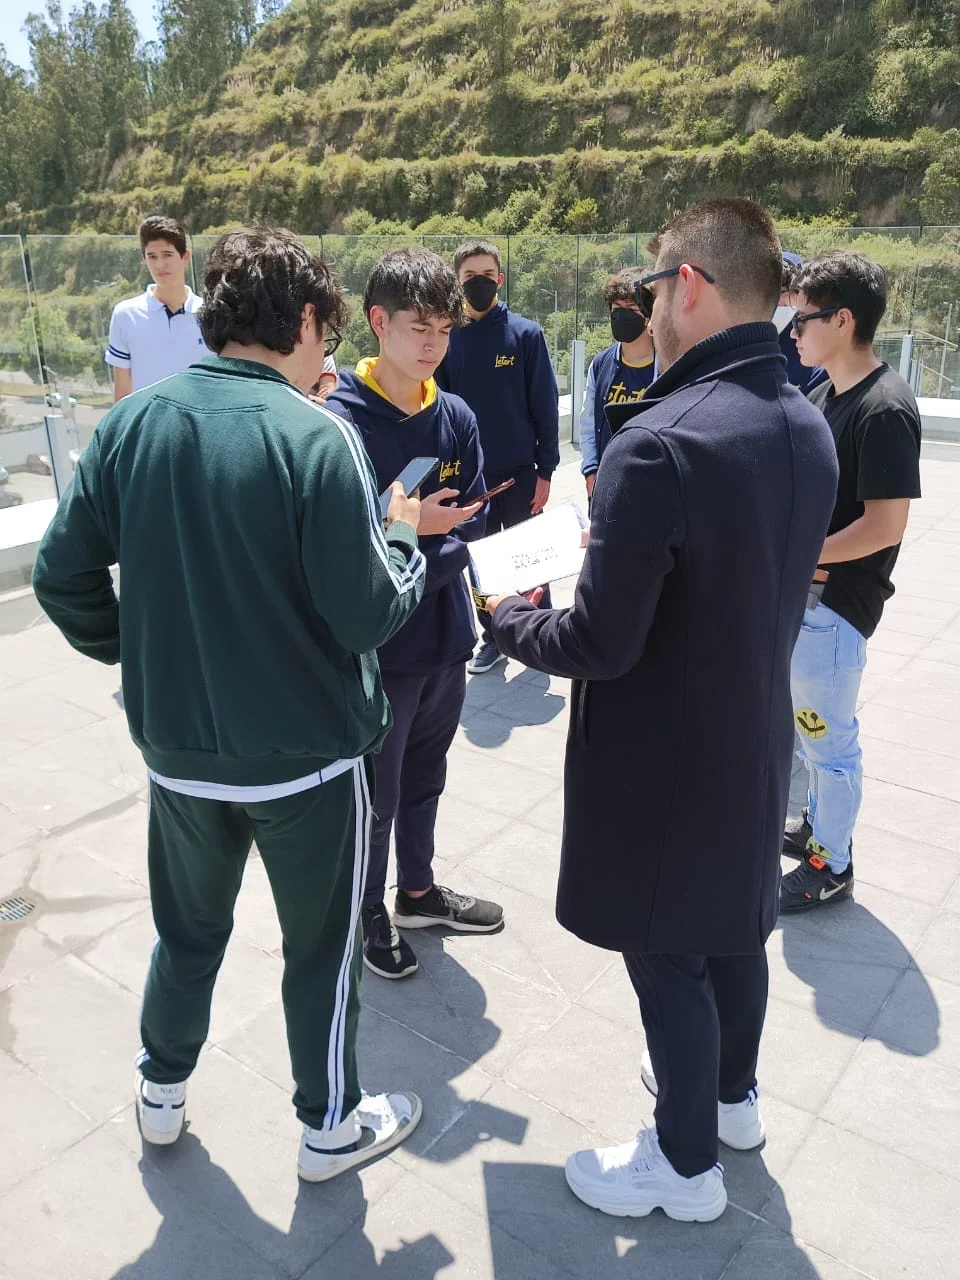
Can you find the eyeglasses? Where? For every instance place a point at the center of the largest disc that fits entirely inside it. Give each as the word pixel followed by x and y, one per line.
pixel 644 294
pixel 800 320
pixel 331 341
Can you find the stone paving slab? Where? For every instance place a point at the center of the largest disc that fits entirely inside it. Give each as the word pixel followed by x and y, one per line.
pixel 524 1045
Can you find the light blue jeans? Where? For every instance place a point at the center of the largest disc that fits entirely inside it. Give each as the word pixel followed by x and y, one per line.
pixel 825 673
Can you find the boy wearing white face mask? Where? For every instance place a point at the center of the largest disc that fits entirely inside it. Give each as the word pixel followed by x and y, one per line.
pixel 620 374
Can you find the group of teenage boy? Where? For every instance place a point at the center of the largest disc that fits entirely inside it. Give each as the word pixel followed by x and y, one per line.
pixel 294 664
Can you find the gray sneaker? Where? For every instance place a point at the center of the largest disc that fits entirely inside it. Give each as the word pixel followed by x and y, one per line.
pixel 443 906
pixel 485 659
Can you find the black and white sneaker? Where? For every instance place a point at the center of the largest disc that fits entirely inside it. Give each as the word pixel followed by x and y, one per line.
pixel 160 1110
pixel 384 951
pixel 378 1124
pixel 796 833
pixel 813 884
pixel 443 906
pixel 485 659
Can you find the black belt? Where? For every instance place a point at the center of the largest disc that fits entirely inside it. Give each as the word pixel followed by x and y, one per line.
pixel 814 594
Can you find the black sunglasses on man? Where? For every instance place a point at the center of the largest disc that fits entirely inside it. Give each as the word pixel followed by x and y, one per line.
pixel 643 293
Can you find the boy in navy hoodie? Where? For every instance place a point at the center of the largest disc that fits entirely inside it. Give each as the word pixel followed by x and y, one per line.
pixel 412 302
pixel 499 363
pixel 621 373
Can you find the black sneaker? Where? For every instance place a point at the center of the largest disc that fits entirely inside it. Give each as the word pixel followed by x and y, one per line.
pixel 813 884
pixel 384 951
pixel 796 833
pixel 443 906
pixel 485 659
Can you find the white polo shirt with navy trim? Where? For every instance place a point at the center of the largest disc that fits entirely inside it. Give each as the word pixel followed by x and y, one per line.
pixel 152 341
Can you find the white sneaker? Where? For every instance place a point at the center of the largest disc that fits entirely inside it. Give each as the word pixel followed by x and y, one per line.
pixel 739 1124
pixel 633 1180
pixel 378 1124
pixel 160 1110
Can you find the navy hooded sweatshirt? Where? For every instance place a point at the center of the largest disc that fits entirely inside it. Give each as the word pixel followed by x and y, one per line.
pixel 500 365
pixel 441 631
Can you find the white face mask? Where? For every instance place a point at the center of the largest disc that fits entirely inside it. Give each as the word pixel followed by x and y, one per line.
pixel 782 317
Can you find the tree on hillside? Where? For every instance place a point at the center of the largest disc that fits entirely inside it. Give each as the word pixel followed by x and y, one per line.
pixel 201 41
pixel 89 87
pixel 498 22
pixel 94 83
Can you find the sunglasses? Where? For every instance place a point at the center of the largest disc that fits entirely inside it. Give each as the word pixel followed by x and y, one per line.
pixel 800 320
pixel 644 294
pixel 331 341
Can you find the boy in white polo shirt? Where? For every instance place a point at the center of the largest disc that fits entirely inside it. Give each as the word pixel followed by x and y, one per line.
pixel 156 333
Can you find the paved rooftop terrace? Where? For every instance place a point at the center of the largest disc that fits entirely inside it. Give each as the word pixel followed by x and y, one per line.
pixel 524 1045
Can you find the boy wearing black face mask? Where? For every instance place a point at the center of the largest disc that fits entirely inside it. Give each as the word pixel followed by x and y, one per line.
pixel 499 363
pixel 620 374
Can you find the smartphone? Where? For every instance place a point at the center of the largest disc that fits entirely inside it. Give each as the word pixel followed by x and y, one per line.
pixel 417 472
pixel 491 493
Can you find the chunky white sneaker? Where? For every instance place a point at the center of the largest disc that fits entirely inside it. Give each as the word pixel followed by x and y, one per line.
pixel 160 1110
pixel 378 1124
pixel 739 1124
pixel 633 1180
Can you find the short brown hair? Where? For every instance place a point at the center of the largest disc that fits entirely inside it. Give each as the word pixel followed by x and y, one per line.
pixel 474 249
pixel 256 283
pixel 414 279
pixel 619 287
pixel 158 227
pixel 735 240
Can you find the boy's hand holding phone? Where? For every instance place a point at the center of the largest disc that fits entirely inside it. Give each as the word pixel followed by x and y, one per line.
pixel 403 508
pixel 437 519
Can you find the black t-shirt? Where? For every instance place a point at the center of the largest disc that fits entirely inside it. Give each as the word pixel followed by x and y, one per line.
pixel 876 428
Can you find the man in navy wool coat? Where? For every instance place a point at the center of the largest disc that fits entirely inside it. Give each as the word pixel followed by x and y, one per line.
pixel 709 512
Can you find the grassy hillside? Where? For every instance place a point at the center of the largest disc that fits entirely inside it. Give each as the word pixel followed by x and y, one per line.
pixel 565 115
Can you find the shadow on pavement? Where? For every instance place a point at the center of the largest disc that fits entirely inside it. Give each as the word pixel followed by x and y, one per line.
pixel 527 701
pixel 531 1203
pixel 444 1013
pixel 852 962
pixel 174 1251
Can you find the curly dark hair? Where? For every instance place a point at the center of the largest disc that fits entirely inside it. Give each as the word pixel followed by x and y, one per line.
pixel 414 279
pixel 256 284
pixel 620 287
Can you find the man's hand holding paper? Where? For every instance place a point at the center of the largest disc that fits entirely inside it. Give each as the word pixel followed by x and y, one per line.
pixel 529 554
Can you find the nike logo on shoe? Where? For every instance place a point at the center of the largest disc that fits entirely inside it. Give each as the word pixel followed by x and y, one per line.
pixel 826 894
pixel 367 1137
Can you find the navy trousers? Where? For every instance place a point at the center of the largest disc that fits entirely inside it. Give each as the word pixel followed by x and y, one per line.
pixel 506 510
pixel 703 1018
pixel 411 770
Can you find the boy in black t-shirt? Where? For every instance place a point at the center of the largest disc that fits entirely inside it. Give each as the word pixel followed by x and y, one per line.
pixel 873 415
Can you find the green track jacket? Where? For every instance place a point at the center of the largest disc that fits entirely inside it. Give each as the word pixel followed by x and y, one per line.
pixel 256 578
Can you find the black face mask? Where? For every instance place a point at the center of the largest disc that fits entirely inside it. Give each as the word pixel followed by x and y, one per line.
pixel 480 292
pixel 626 325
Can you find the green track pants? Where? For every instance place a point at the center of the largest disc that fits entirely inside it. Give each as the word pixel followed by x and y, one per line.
pixel 314 847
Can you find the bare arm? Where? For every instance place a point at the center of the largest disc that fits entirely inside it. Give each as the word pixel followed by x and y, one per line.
pixel 122 383
pixel 882 525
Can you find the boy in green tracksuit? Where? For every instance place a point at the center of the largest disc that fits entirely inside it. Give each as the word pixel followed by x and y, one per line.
pixel 257 584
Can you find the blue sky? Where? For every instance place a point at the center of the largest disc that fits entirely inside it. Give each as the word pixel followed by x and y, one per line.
pixel 13 13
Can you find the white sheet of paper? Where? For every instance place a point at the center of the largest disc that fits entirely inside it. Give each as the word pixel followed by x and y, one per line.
pixel 537 551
